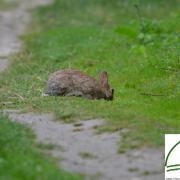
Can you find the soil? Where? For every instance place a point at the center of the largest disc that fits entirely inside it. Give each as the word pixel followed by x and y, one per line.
pixel 12 24
pixel 77 147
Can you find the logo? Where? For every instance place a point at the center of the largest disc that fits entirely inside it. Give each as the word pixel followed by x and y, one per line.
pixel 172 157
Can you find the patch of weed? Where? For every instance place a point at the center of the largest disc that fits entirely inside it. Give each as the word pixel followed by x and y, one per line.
pixel 86 155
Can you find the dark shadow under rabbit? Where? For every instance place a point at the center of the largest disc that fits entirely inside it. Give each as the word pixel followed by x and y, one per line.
pixel 76 83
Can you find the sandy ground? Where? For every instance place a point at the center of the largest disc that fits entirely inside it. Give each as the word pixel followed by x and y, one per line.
pixel 77 147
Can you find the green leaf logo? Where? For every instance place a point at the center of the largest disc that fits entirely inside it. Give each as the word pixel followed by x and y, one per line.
pixel 172 163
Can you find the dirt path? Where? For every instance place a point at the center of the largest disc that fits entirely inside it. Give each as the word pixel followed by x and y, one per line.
pixel 77 147
pixel 12 24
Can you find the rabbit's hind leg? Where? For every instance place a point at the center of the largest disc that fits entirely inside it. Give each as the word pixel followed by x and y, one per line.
pixel 55 92
pixel 75 93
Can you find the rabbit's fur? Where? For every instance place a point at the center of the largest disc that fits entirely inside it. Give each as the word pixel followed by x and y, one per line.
pixel 76 83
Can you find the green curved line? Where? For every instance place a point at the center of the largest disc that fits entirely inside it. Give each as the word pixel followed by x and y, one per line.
pixel 173 165
pixel 170 152
pixel 173 169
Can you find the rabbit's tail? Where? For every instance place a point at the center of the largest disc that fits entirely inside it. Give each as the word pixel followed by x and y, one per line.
pixel 45 94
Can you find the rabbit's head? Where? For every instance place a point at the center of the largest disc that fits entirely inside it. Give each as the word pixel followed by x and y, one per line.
pixel 106 89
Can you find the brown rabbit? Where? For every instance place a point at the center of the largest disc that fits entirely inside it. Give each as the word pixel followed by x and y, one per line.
pixel 76 83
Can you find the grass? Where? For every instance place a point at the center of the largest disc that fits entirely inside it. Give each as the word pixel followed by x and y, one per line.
pixel 49 147
pixel 20 158
pixel 87 155
pixel 138 47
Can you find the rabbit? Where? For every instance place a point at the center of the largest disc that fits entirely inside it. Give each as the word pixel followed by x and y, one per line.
pixel 76 83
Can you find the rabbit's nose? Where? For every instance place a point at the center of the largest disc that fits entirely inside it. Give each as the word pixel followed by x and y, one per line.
pixel 109 98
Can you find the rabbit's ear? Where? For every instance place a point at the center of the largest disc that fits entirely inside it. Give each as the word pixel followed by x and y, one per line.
pixel 103 79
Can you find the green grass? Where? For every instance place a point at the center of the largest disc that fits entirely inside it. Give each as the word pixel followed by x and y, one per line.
pixel 141 57
pixel 21 159
pixel 87 155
